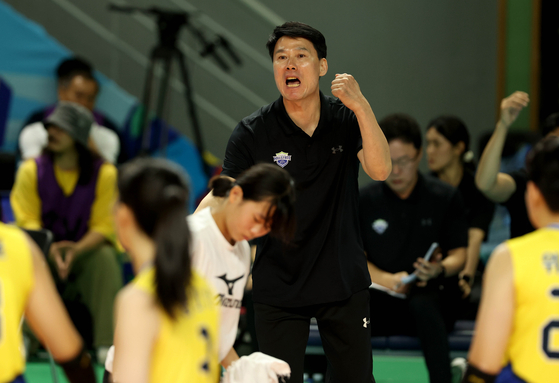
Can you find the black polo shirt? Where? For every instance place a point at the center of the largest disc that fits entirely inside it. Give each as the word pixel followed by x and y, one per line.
pixel 397 231
pixel 325 261
pixel 516 205
pixel 479 209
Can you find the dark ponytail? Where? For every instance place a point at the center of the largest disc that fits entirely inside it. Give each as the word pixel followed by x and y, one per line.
pixel 157 193
pixel 265 182
pixel 221 185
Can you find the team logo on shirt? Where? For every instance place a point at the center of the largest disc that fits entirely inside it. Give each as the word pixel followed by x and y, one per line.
pixel 282 159
pixel 380 226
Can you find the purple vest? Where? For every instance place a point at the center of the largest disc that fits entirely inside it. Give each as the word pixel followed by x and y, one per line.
pixel 67 217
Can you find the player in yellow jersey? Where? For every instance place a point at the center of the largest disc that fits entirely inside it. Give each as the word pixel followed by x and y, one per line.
pixel 26 288
pixel 517 329
pixel 166 319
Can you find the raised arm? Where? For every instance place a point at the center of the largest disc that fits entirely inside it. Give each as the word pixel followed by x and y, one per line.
pixel 375 156
pixel 497 186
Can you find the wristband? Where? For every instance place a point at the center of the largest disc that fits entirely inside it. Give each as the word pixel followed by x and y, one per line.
pixel 79 369
pixel 474 375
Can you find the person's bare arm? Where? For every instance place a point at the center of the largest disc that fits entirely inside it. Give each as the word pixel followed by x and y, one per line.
pixel 497 186
pixel 495 316
pixel 375 156
pixel 230 358
pixel 137 324
pixel 46 315
pixel 391 280
pixel 453 264
pixel 475 238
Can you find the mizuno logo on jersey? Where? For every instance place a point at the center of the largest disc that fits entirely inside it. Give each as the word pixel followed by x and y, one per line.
pixel 229 302
pixel 230 282
pixel 366 322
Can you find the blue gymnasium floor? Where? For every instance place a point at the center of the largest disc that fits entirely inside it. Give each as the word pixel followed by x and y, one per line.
pixel 388 369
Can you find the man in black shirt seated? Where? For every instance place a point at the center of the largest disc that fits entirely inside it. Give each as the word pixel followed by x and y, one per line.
pixel 400 220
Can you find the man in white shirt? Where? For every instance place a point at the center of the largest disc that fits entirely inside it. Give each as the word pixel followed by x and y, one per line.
pixel 76 84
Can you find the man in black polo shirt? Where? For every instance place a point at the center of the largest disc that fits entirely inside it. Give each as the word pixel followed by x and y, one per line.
pixel 400 220
pixel 322 272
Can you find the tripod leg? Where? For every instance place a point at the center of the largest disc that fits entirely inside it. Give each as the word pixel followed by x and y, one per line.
pixel 144 123
pixel 192 109
pixel 160 108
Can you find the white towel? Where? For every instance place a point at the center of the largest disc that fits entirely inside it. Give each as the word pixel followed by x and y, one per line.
pixel 257 368
pixel 110 359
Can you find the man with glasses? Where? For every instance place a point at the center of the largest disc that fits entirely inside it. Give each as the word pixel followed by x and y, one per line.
pixel 400 220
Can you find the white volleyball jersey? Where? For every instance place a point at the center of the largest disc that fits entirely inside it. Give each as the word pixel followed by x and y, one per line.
pixel 225 266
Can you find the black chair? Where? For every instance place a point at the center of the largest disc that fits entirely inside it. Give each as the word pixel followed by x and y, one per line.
pixel 43 238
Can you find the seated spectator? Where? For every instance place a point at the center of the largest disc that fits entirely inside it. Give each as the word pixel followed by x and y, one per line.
pixel 509 189
pixel 70 191
pixel 400 220
pixel 76 84
pixel 450 159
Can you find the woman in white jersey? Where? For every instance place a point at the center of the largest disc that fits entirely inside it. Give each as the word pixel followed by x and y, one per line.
pixel 258 202
pixel 167 324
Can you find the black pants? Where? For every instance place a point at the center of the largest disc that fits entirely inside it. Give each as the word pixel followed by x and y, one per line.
pixel 420 315
pixel 344 329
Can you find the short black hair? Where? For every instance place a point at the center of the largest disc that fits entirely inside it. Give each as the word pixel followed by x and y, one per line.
pixel 542 166
pixel 72 67
pixel 550 124
pixel 72 64
pixel 400 126
pixel 297 29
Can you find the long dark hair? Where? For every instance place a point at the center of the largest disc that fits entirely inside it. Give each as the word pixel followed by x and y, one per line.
pixel 156 191
pixel 454 130
pixel 265 182
pixel 542 166
pixel 86 161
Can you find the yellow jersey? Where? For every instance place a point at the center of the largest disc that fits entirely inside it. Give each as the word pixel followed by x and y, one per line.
pixel 533 348
pixel 186 349
pixel 16 282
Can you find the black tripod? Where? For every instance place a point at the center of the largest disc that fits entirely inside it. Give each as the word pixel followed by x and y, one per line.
pixel 169 25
